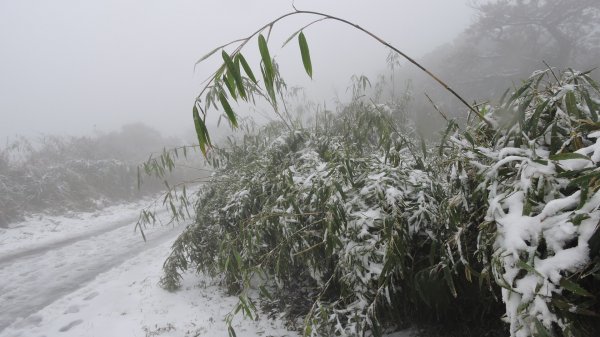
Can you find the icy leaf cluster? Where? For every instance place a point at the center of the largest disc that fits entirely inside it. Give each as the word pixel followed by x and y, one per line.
pixel 538 170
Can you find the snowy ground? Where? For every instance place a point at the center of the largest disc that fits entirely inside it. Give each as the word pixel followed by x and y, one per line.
pixel 89 274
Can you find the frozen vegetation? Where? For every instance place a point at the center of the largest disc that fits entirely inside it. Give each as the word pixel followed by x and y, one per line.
pixel 53 174
pixel 351 223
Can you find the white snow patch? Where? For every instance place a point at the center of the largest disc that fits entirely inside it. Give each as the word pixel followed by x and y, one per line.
pixel 126 301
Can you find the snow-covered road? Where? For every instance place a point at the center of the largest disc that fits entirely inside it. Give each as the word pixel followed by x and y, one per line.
pixel 92 275
pixel 30 280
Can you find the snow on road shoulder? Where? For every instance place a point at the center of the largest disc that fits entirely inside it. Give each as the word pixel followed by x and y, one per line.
pixel 127 301
pixel 38 230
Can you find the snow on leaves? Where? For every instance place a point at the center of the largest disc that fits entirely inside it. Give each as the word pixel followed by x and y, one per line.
pixel 535 174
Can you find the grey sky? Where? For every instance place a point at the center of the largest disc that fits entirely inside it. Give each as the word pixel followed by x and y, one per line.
pixel 67 66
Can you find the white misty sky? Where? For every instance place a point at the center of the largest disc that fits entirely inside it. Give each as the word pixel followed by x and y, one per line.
pixel 72 66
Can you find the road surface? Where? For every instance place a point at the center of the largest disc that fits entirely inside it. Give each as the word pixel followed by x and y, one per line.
pixel 34 277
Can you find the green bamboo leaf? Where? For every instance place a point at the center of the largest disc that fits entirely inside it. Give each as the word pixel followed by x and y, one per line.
pixel 266 57
pixel 308 330
pixel 585 312
pixel 231 331
pixel 571 103
pixel 220 71
pixel 173 210
pixel 201 132
pixel 305 54
pixel 533 121
pixel 469 138
pixel 574 288
pixel 240 58
pixel 239 83
pixel 247 311
pixel 578 218
pixel 228 111
pixel 585 179
pixel 541 329
pixel 234 72
pixel 229 83
pixel 523 306
pixel 567 156
pixel 269 85
pixel 521 90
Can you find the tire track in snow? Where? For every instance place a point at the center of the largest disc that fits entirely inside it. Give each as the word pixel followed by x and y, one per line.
pixel 32 279
pixel 9 258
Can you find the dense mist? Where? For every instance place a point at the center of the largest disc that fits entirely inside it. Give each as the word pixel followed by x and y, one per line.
pixel 72 67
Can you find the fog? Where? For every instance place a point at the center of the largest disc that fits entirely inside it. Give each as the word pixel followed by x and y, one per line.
pixel 79 67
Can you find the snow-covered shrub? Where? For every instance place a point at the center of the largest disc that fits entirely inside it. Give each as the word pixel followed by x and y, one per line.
pixel 355 225
pixel 342 221
pixel 537 168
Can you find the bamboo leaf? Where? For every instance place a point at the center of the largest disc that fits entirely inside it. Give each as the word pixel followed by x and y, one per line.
pixel 201 132
pixel 229 83
pixel 541 329
pixel 231 331
pixel 568 156
pixel 574 288
pixel 228 111
pixel 173 210
pixel 585 179
pixel 533 121
pixel 521 90
pixel 305 54
pixel 220 71
pixel 266 57
pixel 234 72
pixel 571 103
pixel 269 86
pixel 308 330
pixel 240 58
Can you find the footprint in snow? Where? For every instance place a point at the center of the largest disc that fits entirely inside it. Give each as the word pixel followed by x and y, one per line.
pixel 90 296
pixel 72 309
pixel 70 325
